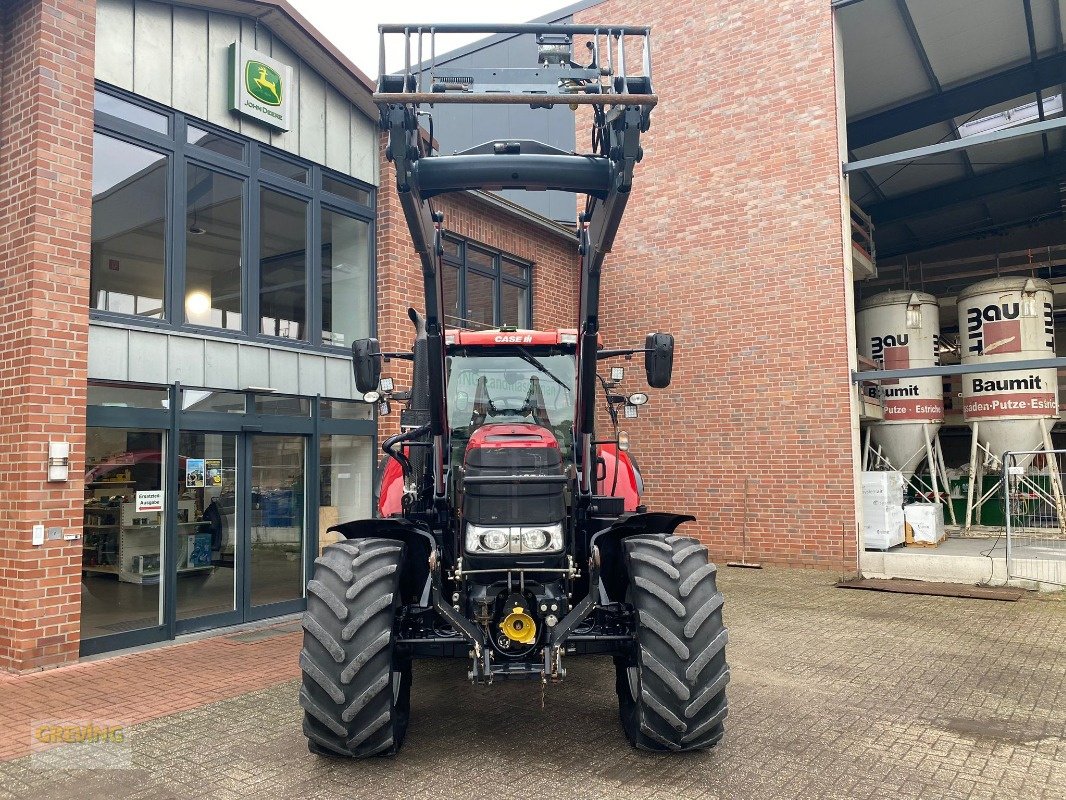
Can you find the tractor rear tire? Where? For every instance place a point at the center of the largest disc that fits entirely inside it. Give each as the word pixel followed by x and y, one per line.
pixel 356 691
pixel 671 692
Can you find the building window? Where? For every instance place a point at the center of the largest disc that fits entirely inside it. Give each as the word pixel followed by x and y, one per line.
pixel 129 243
pixel 283 265
pixel 194 226
pixel 214 216
pixel 484 288
pixel 345 278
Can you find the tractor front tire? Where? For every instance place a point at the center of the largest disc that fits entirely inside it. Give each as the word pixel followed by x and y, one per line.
pixel 671 692
pixel 356 691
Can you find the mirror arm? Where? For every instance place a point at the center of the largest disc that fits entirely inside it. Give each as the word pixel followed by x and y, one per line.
pixel 629 351
pixel 398 356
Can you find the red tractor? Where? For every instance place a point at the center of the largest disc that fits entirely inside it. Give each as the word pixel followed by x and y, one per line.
pixel 507 533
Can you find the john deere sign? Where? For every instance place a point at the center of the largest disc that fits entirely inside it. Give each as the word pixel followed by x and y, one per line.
pixel 259 86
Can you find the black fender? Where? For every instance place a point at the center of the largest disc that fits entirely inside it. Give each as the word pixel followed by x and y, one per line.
pixel 420 543
pixel 609 541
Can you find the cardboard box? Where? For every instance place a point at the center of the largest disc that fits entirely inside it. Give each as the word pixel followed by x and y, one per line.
pixel 926 521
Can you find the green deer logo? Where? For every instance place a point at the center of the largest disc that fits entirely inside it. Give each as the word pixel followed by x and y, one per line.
pixel 263 83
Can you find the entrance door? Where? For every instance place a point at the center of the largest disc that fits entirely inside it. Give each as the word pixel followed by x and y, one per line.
pixel 278 523
pixel 240 531
pixel 208 552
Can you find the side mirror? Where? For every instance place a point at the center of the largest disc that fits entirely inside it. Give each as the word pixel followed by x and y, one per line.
pixel 659 359
pixel 366 362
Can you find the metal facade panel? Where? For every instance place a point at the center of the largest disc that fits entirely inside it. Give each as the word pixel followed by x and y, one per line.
pixel 338 378
pixel 289 140
pixel 251 35
pixel 147 356
pixel 223 30
pixel 364 148
pixel 152 49
pixel 190 63
pixel 338 132
pixel 253 366
pixel 311 116
pixel 108 353
pixel 185 361
pixel 114 42
pixel 220 365
pixel 284 371
pixel 179 56
pixel 312 374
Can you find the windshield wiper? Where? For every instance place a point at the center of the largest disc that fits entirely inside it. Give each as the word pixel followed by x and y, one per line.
pixel 529 358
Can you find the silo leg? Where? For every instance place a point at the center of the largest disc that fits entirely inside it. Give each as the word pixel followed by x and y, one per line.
pixel 973 476
pixel 931 461
pixel 1053 475
pixel 944 477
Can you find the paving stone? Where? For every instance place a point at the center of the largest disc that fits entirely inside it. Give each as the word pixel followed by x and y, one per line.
pixel 834 694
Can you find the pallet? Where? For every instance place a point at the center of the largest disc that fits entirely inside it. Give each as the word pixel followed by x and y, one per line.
pixel 909 540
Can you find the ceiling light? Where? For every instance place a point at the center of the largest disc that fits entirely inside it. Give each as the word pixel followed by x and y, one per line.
pixel 197 303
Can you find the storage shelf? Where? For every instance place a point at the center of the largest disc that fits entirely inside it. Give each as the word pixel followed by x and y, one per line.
pixel 101 527
pixel 100 568
pixel 153 577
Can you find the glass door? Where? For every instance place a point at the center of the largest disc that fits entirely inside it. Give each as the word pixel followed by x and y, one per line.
pixel 207 530
pixel 122 545
pixel 277 522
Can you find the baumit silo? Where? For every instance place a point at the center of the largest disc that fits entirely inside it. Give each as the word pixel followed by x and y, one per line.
pixel 899 330
pixel 1008 319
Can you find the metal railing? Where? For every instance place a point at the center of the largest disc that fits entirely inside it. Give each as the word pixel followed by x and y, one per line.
pixel 1035 512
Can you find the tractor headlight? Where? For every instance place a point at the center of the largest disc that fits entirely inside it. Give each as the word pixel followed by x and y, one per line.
pixel 487 540
pixel 531 539
pixel 544 539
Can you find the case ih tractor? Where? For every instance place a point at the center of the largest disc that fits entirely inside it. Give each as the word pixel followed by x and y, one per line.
pixel 507 534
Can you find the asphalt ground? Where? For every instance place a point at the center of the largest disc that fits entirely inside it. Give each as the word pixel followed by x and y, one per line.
pixel 834 694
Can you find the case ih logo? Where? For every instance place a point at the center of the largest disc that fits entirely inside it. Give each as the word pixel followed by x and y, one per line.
pixel 513 339
pixel 997 328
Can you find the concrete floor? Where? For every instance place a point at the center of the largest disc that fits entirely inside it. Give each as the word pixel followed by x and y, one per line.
pixel 1037 562
pixel 835 694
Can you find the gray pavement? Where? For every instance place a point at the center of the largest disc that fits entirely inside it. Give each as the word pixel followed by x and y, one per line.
pixel 835 694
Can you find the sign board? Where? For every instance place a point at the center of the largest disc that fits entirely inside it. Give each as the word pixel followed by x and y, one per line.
pixel 260 86
pixel 150 501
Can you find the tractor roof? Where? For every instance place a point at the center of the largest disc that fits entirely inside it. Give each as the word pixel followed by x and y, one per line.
pixel 506 336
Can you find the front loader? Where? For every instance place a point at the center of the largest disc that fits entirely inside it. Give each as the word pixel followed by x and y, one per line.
pixel 507 535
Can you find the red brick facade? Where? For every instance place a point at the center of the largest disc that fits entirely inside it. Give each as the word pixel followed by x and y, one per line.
pixel 46 93
pixel 733 242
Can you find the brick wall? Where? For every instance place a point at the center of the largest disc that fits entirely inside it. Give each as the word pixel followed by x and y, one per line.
pixel 733 242
pixel 46 93
pixel 554 273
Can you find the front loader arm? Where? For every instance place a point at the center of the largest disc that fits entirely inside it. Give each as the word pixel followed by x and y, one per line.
pixel 622 100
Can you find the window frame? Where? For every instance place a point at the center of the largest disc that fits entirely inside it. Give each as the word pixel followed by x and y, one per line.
pixel 495 272
pixel 180 153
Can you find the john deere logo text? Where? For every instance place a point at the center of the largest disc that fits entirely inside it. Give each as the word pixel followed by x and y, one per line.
pixel 263 83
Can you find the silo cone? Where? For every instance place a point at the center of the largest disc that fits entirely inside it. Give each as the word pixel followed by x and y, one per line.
pixel 899 330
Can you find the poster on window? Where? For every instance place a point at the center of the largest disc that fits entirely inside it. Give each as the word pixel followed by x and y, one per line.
pixel 194 473
pixel 214 471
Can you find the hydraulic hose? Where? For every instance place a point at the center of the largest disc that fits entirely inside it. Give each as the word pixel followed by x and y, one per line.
pixel 390 448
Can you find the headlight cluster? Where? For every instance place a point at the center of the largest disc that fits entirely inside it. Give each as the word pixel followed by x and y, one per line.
pixel 524 539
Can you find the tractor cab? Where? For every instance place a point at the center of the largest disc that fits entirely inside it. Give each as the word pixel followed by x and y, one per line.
pixel 510 376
